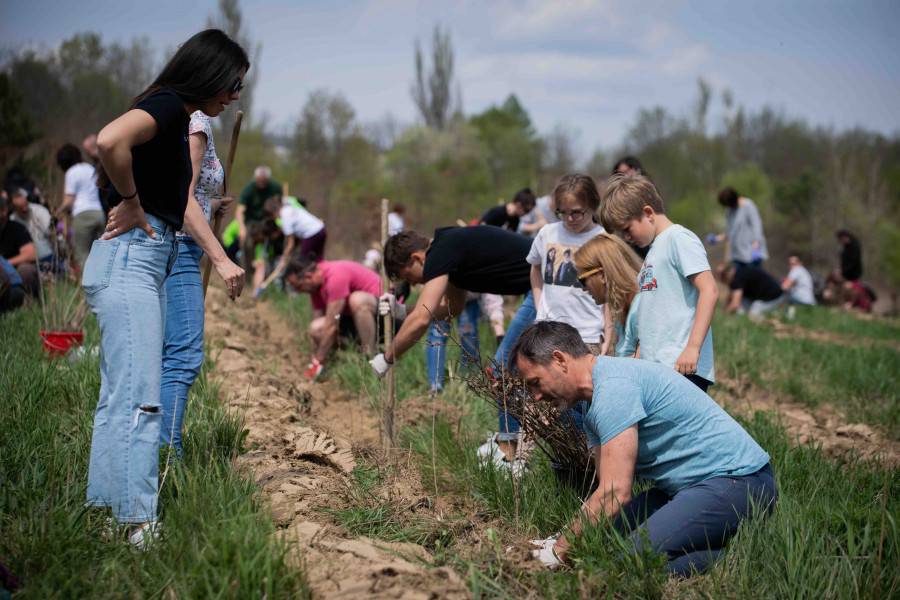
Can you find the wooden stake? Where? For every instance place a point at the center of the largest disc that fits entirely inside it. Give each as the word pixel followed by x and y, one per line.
pixel 388 404
pixel 217 222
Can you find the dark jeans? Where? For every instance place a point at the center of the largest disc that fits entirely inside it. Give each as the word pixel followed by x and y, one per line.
pixel 692 527
pixel 12 298
pixel 700 382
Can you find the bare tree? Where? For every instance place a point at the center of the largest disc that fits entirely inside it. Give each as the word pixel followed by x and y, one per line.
pixel 433 91
pixel 230 19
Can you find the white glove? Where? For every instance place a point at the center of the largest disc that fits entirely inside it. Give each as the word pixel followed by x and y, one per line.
pixel 380 365
pixel 387 303
pixel 545 552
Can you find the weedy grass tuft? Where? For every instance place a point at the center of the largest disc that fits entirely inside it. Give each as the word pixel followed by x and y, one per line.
pixel 218 539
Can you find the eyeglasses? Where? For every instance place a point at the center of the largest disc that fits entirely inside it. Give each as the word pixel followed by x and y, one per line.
pixel 237 87
pixel 572 214
pixel 583 277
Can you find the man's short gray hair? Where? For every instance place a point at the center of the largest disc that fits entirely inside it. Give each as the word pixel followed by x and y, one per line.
pixel 262 171
pixel 20 192
pixel 538 342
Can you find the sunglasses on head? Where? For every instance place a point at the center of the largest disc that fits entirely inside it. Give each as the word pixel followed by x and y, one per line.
pixel 237 86
pixel 583 277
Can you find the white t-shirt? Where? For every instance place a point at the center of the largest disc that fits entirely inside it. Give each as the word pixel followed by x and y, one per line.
pixel 802 291
pixel 563 298
pixel 38 225
pixel 667 300
pixel 542 207
pixel 81 182
pixel 300 222
pixel 395 223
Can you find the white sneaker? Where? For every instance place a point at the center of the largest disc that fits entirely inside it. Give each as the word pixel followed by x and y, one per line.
pixel 490 452
pixel 145 535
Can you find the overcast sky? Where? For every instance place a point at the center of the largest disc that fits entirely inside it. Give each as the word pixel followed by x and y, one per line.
pixel 586 65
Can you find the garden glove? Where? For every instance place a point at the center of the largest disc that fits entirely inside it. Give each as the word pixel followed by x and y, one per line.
pixel 380 365
pixel 545 552
pixel 387 303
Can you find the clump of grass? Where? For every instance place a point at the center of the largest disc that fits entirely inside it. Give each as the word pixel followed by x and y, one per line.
pixel 218 539
pixel 372 515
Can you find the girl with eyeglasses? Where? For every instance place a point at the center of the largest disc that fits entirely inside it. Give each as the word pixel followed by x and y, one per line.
pixel 145 156
pixel 558 294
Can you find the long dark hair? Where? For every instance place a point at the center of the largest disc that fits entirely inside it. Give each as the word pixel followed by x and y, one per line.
pixel 206 65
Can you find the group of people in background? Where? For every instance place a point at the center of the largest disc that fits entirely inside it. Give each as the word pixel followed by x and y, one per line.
pixel 603 274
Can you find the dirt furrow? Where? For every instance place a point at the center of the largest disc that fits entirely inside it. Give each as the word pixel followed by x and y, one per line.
pixel 305 440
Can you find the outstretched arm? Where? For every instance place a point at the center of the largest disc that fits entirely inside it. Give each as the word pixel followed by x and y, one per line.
pixel 614 463
pixel 428 307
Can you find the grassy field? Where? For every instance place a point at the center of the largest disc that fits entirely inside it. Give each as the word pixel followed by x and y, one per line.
pixel 218 540
pixel 833 535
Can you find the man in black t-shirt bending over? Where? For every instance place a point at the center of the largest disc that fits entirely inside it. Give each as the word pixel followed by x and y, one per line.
pixel 508 215
pixel 459 260
pixel 753 291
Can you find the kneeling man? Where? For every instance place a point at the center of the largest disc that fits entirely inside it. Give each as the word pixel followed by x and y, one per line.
pixel 648 422
pixel 344 300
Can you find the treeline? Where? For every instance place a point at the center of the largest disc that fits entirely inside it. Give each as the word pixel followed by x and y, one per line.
pixel 808 181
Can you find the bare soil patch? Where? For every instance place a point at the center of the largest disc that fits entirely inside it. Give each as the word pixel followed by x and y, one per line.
pixel 784 330
pixel 823 425
pixel 306 440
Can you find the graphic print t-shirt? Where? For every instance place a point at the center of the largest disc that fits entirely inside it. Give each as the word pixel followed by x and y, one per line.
pixel 668 300
pixel 563 297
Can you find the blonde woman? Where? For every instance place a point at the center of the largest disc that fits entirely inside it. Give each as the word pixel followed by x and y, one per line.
pixel 608 269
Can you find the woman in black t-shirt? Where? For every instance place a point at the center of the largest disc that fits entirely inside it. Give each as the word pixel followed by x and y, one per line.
pixel 145 157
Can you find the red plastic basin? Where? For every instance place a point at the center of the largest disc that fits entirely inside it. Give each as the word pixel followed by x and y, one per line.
pixel 58 343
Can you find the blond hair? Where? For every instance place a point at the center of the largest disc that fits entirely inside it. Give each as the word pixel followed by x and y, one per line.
pixel 624 199
pixel 620 267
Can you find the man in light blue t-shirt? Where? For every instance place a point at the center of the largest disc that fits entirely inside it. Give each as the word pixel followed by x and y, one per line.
pixel 647 422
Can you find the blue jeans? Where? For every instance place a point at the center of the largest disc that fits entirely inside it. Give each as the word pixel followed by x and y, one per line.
pixel 124 282
pixel 509 427
pixel 692 527
pixel 183 345
pixel 436 346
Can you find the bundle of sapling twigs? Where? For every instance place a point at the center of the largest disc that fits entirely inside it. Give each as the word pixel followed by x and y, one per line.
pixel 552 431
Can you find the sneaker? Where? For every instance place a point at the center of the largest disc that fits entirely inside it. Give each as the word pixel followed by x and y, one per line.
pixel 490 453
pixel 145 534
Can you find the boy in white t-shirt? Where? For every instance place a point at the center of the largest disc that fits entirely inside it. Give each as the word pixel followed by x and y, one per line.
pixel 676 288
pixel 557 295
